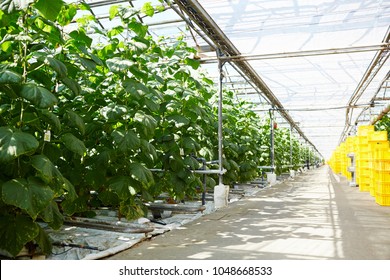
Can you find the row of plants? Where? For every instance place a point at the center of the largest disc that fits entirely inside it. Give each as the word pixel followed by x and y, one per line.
pixel 82 124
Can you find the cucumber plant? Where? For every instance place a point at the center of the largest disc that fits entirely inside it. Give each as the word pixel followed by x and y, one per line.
pixel 84 122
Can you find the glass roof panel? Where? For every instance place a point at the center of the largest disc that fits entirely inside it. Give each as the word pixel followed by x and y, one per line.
pixel 292 46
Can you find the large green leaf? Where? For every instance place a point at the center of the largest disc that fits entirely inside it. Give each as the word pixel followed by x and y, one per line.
pixel 30 194
pixel 70 194
pixel 39 96
pixel 113 12
pixel 46 169
pixel 57 66
pixel 14 143
pixel 73 144
pixel 77 205
pixel 140 45
pixel 9 77
pixel 15 232
pixel 108 198
pixel 89 64
pixel 194 63
pixel 126 140
pixel 141 173
pixel 52 119
pixel 44 241
pixel 147 9
pixel 67 14
pixel 52 215
pixel 148 123
pixel 81 38
pixel 179 120
pixel 113 111
pixel 148 149
pixel 189 144
pixel 123 186
pixel 115 31
pixel 135 88
pixel 49 9
pixel 118 64
pixel 138 28
pixel 76 121
pixel 139 73
pixel 72 85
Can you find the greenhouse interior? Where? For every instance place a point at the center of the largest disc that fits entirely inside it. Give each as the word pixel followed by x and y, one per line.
pixel 234 129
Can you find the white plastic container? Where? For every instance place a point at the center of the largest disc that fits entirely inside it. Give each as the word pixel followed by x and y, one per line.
pixel 221 196
pixel 271 178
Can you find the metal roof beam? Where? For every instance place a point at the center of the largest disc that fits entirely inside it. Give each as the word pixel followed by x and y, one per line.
pixel 197 14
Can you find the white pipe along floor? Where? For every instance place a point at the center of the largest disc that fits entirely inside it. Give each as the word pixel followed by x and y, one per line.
pixel 315 215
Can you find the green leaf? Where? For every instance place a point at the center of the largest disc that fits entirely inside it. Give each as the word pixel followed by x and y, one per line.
pixel 67 14
pixel 151 105
pixel 77 205
pixel 136 89
pixel 70 194
pixel 81 38
pixel 9 77
pixel 44 242
pixel 148 149
pixel 57 66
pixel 138 73
pixel 72 85
pixel 113 111
pixel 14 143
pixel 194 63
pixel 191 162
pixel 126 140
pixel 52 215
pixel 123 186
pixel 113 12
pixel 117 64
pixel 30 194
pixel 96 177
pixel 46 169
pixel 147 9
pixel 189 144
pixel 52 119
pixel 15 232
pixel 176 163
pixel 179 120
pixel 39 96
pixel 141 173
pixel 138 28
pixel 148 123
pixel 115 31
pixel 76 121
pixel 73 144
pixel 49 9
pixel 132 210
pixel 140 45
pixel 108 198
pixel 89 64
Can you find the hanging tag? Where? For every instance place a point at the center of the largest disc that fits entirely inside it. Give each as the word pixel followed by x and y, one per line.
pixel 47 136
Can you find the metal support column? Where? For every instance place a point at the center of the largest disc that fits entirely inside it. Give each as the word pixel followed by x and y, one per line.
pixel 272 140
pixel 291 147
pixel 220 131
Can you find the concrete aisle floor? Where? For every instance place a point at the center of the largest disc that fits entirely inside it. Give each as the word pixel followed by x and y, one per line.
pixel 314 216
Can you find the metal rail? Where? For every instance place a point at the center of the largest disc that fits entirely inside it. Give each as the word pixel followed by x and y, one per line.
pixel 373 69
